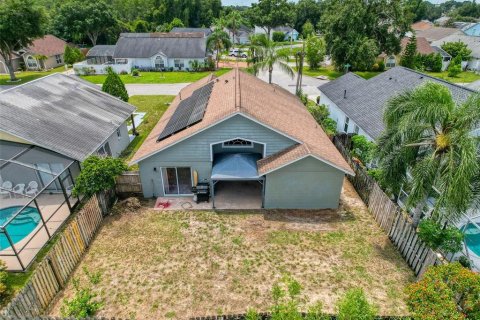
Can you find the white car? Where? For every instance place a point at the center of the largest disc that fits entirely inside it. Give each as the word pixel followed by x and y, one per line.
pixel 237 53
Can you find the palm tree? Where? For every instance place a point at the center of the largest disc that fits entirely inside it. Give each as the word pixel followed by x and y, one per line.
pixel 217 41
pixel 431 137
pixel 233 21
pixel 267 56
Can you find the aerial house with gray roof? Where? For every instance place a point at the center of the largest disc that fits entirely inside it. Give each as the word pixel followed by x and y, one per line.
pixel 48 127
pixel 357 104
pixel 252 143
pixel 149 52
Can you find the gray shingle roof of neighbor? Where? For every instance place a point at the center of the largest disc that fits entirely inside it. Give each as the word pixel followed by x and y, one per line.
pixel 101 51
pixel 365 100
pixel 206 31
pixel 173 45
pixel 62 114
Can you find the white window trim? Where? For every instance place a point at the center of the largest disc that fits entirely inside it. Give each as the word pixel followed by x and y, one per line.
pixel 240 146
pixel 176 175
pixel 252 141
pixel 346 124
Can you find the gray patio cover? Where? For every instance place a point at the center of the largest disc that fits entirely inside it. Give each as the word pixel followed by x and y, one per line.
pixel 235 166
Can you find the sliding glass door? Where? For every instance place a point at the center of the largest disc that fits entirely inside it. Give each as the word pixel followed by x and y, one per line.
pixel 177 180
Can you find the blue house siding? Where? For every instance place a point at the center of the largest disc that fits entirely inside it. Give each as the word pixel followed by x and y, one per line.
pixel 194 152
pixel 305 184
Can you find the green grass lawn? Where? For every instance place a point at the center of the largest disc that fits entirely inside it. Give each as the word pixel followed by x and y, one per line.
pixel 464 77
pixel 26 76
pixel 331 73
pixel 154 106
pixel 159 77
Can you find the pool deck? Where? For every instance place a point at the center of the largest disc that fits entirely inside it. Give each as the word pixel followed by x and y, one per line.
pixel 52 212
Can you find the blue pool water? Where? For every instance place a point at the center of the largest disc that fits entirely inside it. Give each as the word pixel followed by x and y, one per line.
pixel 20 227
pixel 472 238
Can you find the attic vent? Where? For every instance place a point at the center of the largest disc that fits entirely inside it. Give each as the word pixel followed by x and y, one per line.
pixel 390 78
pixel 226 81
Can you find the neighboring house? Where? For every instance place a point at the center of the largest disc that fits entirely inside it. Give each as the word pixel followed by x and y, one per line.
pixel 289 32
pixel 422 25
pixel 435 33
pixel 65 115
pixel 357 104
pixel 423 47
pixel 44 53
pixel 205 31
pixel 100 54
pixel 242 136
pixel 242 35
pixel 16 62
pixel 472 42
pixel 152 51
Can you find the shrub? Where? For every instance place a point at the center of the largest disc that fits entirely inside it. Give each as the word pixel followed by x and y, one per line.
pixel 465 262
pixel 447 291
pixel 123 73
pixel 362 148
pixel 72 55
pixel 381 66
pixel 98 174
pixel 84 302
pixel 355 306
pixel 135 72
pixel 3 280
pixel 321 114
pixel 448 239
pixel 278 36
pixel 114 85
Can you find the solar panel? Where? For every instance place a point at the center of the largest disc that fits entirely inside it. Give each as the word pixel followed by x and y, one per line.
pixel 188 112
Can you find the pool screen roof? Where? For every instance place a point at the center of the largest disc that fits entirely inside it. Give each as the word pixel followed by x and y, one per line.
pixel 19 165
pixel 235 166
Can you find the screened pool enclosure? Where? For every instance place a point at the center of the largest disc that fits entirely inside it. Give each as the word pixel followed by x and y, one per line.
pixel 35 200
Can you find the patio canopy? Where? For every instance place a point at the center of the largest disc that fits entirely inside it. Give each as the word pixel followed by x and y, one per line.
pixel 235 166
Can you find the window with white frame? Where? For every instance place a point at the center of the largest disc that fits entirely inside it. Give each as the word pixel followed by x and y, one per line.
pixel 178 63
pixel 58 58
pixel 32 62
pixel 391 62
pixel 345 126
pixel 105 151
pixel 159 62
pixel 119 133
pixel 356 129
pixel 177 180
pixel 237 143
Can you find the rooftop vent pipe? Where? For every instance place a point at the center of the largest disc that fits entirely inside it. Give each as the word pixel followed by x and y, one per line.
pixel 345 94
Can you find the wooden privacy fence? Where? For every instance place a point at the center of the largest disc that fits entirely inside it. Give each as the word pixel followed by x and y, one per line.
pixel 51 275
pixel 129 183
pixel 391 218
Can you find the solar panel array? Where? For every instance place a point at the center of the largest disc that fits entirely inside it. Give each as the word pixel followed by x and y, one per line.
pixel 188 112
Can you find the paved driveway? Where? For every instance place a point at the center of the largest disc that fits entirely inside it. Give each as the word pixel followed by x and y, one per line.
pixel 309 84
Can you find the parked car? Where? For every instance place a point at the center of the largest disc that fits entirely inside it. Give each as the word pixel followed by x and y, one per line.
pixel 235 52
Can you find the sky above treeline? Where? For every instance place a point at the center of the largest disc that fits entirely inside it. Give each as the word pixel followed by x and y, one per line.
pixel 249 2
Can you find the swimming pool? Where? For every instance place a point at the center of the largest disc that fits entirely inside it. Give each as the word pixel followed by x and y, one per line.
pixel 21 226
pixel 472 237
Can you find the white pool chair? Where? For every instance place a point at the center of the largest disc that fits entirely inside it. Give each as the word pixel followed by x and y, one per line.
pixel 6 189
pixel 32 188
pixel 18 189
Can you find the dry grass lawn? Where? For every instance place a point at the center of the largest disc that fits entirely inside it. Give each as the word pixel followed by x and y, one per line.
pixel 157 264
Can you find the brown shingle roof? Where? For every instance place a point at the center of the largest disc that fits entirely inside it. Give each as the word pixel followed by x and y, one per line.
pixel 423 47
pixel 47 46
pixel 422 25
pixel 237 92
pixel 435 33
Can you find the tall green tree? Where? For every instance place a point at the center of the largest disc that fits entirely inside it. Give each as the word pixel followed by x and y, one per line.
pixel 79 18
pixel 315 51
pixel 430 136
pixel 114 85
pixel 269 14
pixel 408 56
pixel 21 21
pixel 307 29
pixel 268 56
pixel 351 27
pixel 218 41
pixel 307 10
pixel 233 21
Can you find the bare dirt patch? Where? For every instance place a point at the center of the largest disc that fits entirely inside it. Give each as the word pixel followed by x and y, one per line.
pixel 174 264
